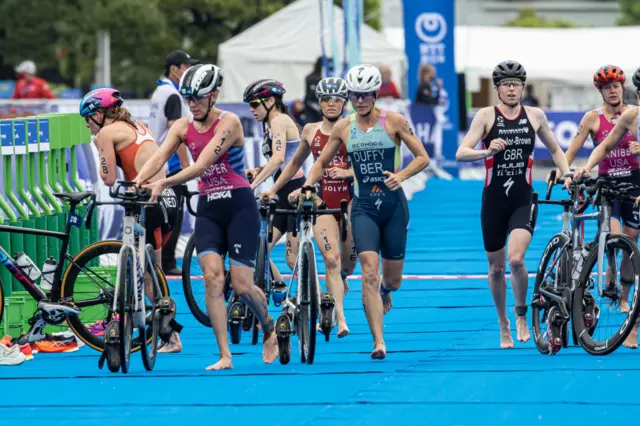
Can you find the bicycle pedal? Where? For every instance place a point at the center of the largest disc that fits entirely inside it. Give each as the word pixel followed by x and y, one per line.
pixel 236 313
pixel 278 292
pixel 112 346
pixel 327 307
pixel 283 326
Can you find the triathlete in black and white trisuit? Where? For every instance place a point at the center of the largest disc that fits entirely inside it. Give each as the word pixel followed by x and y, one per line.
pixel 507 132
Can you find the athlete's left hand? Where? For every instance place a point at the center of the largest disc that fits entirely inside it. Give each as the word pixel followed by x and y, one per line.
pixel 338 173
pixel 634 147
pixel 392 181
pixel 567 183
pixel 156 188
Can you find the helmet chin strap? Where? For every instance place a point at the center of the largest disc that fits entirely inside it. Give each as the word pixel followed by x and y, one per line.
pixel 206 114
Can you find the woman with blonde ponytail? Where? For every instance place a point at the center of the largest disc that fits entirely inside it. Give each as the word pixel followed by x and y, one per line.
pixel 129 144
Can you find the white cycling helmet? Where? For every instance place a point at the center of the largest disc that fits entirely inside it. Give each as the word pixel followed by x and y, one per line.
pixel 332 86
pixel 199 80
pixel 364 78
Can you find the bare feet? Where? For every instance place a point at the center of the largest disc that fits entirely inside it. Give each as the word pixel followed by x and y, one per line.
pixel 631 341
pixel 522 329
pixel 270 347
pixel 223 364
pixel 173 347
pixel 506 341
pixel 386 301
pixel 379 351
pixel 624 298
pixel 343 330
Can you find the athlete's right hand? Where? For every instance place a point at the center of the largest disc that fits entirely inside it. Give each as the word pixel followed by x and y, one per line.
pixel 580 173
pixel 558 174
pixel 267 196
pixel 497 145
pixel 294 196
pixel 252 173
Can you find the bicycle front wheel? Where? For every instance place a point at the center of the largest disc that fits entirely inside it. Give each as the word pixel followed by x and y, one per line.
pixel 599 316
pixel 126 283
pixel 308 307
pixel 90 281
pixel 150 351
pixel 553 275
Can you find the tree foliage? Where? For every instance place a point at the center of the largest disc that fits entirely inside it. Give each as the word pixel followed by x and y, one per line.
pixel 527 17
pixel 62 34
pixel 630 10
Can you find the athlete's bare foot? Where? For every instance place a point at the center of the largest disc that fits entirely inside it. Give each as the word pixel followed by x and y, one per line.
pixel 506 341
pixel 173 347
pixel 343 330
pixel 522 329
pixel 346 286
pixel 270 347
pixel 386 301
pixel 624 298
pixel 223 364
pixel 624 306
pixel 379 351
pixel 631 341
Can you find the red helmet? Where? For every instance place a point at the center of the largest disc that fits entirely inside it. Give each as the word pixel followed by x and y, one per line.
pixel 607 75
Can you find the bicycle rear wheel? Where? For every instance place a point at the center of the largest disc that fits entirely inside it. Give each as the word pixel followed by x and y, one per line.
pixel 194 291
pixel 597 310
pixel 149 353
pixel 126 280
pixel 308 307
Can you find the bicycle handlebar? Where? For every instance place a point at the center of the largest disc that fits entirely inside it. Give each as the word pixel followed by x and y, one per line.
pixel 309 207
pixel 137 197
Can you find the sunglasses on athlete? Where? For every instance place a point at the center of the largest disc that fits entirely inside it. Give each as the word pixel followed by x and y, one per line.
pixel 329 99
pixel 514 83
pixel 256 103
pixel 365 96
pixel 194 98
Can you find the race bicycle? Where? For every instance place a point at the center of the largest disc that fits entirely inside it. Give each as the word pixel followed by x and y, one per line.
pixel 300 316
pixel 565 289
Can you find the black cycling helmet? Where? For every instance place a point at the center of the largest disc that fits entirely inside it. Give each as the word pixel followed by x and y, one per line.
pixel 263 89
pixel 636 79
pixel 509 69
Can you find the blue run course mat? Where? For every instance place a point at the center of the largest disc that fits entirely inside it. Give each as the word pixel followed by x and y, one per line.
pixel 443 367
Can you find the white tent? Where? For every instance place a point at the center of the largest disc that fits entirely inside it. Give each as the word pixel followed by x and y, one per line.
pixel 569 55
pixel 285 46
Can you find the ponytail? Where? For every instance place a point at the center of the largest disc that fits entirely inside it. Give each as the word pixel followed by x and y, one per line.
pixel 120 114
pixel 282 107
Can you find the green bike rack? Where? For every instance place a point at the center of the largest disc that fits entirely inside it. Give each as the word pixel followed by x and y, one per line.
pixel 19 148
pixel 6 150
pixel 32 156
pixel 81 136
pixel 68 137
pixel 20 130
pixel 44 146
pixel 55 136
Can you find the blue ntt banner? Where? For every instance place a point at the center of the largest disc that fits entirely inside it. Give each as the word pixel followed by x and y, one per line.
pixel 428 31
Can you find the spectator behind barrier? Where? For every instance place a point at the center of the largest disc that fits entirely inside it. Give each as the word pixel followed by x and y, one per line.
pixel 311 107
pixel 167 106
pixel 28 85
pixel 429 89
pixel 388 88
pixel 530 99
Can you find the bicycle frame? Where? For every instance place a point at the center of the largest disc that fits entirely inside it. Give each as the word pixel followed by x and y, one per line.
pixel 10 264
pixel 570 227
pixel 131 227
